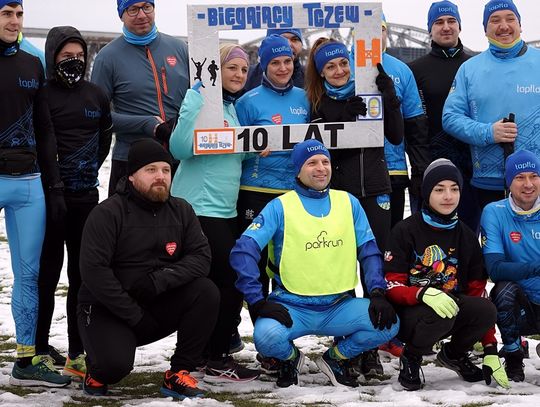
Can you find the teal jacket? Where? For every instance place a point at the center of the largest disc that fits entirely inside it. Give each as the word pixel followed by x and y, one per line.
pixel 210 183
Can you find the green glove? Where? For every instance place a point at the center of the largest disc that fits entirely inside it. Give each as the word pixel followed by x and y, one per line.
pixel 492 366
pixel 440 302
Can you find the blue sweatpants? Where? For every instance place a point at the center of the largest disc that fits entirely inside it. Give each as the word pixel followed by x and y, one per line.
pixel 516 315
pixel 23 202
pixel 348 318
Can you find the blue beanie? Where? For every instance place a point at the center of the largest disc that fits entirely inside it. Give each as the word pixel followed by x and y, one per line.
pixel 306 149
pixel 6 2
pixel 329 51
pixel 272 47
pixel 518 162
pixel 442 8
pixel 497 5
pixel 279 31
pixel 124 4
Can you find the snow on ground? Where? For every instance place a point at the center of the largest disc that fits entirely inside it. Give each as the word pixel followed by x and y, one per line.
pixel 443 387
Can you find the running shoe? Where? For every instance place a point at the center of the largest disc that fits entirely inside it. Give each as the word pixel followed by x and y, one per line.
pixel 41 372
pixel 180 385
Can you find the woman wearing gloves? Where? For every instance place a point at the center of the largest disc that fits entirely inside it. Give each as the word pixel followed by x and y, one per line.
pixel 436 280
pixel 210 183
pixel 362 172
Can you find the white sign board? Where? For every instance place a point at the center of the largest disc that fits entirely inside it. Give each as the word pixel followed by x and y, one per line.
pixel 206 21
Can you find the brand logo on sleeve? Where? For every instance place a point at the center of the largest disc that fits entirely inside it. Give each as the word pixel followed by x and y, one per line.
pixel 171 248
pixel 171 60
pixel 515 237
pixel 277 119
pixel 28 83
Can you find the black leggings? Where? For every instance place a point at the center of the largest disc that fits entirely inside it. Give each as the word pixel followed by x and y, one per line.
pixel 222 235
pixel 69 230
pixel 379 218
pixel 420 327
pixel 110 343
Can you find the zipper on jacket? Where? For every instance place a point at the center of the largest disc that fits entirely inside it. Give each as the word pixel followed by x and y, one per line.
pixel 164 80
pixel 362 172
pixel 156 82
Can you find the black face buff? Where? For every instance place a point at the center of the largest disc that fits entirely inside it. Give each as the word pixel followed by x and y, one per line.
pixel 69 71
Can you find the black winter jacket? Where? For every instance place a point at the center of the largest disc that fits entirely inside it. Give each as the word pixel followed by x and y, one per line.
pixel 359 171
pixel 127 240
pixel 434 74
pixel 80 116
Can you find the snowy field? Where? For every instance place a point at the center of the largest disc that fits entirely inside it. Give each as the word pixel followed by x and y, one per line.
pixel 443 387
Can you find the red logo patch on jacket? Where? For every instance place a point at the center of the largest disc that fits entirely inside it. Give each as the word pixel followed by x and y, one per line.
pixel 515 237
pixel 171 60
pixel 277 118
pixel 225 123
pixel 171 248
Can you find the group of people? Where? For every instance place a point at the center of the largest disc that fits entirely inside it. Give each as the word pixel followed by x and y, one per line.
pixel 183 240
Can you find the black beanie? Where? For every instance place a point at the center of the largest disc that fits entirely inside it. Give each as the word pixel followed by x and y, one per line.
pixel 439 170
pixel 144 152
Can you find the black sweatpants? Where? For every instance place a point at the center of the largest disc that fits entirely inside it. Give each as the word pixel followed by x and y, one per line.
pixel 110 343
pixel 379 218
pixel 397 203
pixel 69 230
pixel 222 235
pixel 118 170
pixel 420 327
pixel 485 196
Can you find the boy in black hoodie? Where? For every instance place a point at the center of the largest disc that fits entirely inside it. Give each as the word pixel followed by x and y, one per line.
pixel 80 114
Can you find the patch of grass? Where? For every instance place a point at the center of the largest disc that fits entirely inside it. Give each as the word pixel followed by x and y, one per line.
pixel 7 349
pixel 247 339
pixel 7 343
pixel 62 290
pixel 22 391
pixel 84 402
pixel 479 404
pixel 536 337
pixel 255 399
pixel 3 238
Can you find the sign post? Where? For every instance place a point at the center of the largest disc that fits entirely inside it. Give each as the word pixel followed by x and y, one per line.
pixel 206 21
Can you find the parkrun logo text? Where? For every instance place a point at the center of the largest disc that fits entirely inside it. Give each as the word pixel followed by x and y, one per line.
pixel 322 243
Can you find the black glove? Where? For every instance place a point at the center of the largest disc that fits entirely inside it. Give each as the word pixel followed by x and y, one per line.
pixel 143 290
pixel 385 84
pixel 146 327
pixel 355 106
pixel 381 312
pixel 271 309
pixel 56 204
pixel 164 130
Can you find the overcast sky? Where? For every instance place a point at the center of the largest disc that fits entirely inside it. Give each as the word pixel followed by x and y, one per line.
pixel 101 15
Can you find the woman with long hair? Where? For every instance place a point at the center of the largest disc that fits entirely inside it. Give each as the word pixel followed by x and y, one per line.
pixel 330 89
pixel 210 183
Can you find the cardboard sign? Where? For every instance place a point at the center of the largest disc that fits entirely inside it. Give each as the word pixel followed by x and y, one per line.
pixel 206 21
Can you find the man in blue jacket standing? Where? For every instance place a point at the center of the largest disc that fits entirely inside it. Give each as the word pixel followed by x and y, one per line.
pixel 145 75
pixel 317 236
pixel 511 247
pixel 503 79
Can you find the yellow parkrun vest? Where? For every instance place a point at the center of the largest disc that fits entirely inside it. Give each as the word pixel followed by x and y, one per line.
pixel 319 253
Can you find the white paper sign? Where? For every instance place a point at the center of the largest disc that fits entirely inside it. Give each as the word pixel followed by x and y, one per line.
pixel 206 21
